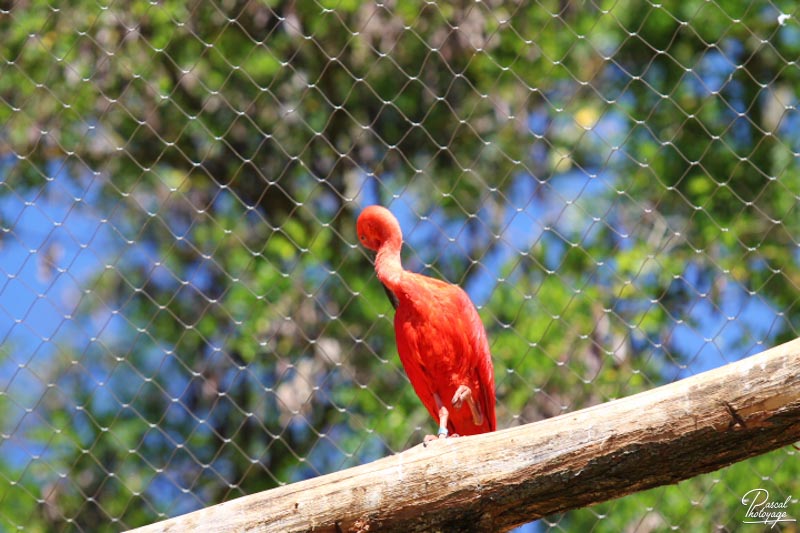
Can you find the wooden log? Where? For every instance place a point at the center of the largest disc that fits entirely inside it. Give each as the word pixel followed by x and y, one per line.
pixel 499 480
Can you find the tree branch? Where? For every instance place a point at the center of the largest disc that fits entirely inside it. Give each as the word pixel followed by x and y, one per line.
pixel 498 480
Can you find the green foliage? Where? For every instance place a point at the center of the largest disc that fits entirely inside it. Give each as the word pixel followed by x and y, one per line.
pixel 232 337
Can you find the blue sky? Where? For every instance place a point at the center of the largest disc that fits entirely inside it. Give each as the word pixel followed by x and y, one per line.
pixel 55 240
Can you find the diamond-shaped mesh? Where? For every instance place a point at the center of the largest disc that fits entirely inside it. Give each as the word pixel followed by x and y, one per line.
pixel 186 316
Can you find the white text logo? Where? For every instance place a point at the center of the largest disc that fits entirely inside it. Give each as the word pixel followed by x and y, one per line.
pixel 761 510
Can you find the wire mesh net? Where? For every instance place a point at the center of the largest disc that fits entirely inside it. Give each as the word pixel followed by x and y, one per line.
pixel 185 313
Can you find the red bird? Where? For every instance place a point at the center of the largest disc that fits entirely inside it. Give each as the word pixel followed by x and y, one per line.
pixel 440 337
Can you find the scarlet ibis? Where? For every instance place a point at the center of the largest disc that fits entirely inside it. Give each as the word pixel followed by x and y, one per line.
pixel 440 337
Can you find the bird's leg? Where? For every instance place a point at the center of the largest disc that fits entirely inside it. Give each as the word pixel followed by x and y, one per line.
pixel 444 414
pixel 463 393
pixel 442 433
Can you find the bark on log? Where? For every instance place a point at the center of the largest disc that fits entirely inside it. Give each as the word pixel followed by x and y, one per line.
pixel 498 480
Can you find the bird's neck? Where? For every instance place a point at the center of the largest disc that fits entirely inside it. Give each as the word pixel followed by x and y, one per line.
pixel 387 264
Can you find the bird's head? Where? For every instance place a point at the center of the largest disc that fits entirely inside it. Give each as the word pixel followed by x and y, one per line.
pixel 377 226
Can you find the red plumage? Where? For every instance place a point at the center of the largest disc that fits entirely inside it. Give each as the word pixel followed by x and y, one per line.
pixel 440 337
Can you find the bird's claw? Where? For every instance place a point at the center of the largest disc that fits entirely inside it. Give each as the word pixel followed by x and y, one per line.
pixel 464 394
pixel 431 438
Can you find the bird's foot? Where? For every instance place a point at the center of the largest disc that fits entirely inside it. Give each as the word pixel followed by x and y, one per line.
pixel 464 394
pixel 431 438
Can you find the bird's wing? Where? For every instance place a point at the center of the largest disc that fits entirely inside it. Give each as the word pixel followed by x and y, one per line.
pixel 482 363
pixel 408 348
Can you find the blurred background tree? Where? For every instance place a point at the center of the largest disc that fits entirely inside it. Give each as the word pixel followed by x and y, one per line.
pixel 187 317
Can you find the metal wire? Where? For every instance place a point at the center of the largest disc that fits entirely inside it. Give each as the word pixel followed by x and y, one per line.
pixel 186 316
